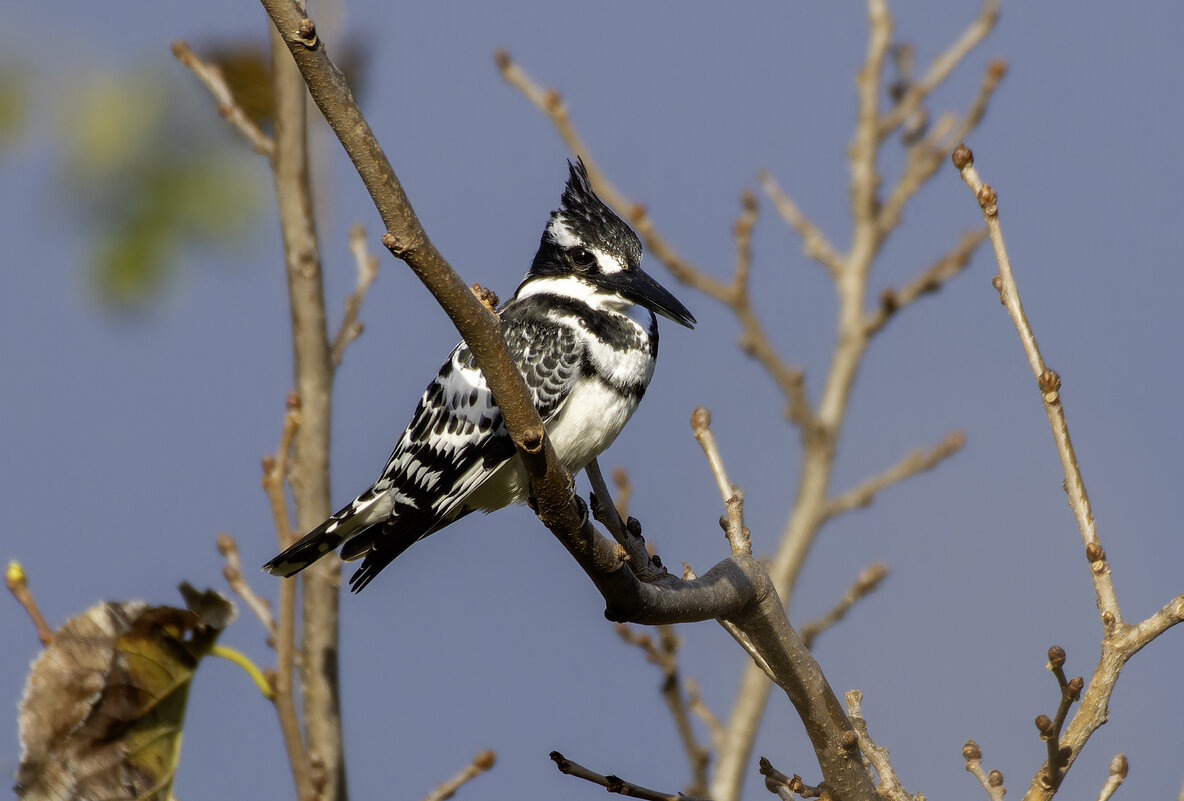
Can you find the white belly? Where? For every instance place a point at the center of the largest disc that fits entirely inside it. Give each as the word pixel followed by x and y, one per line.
pixel 586 425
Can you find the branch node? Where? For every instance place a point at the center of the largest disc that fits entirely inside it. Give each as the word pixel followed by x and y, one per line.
pixel 1050 384
pixel 533 439
pixel 488 297
pixel 306 33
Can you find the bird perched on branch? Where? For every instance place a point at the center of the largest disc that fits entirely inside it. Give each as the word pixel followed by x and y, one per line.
pixel 581 330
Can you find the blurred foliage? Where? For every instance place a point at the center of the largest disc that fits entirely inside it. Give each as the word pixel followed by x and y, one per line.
pixel 104 703
pixel 154 170
pixel 14 104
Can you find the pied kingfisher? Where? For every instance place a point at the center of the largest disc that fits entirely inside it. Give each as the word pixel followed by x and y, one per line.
pixel 572 332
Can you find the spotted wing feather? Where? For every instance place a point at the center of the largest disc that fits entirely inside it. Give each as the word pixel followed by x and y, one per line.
pixel 457 440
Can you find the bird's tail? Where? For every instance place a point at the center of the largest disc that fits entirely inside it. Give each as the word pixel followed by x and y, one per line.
pixel 322 540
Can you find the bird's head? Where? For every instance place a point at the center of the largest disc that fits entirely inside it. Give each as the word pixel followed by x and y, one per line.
pixel 586 244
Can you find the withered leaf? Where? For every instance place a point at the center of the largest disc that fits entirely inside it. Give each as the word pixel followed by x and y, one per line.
pixel 101 715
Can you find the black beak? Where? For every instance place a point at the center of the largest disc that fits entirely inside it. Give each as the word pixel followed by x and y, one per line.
pixel 645 291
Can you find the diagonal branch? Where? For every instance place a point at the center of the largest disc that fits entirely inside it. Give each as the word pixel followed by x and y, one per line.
pixel 1120 640
pixel 864 585
pixel 915 462
pixel 814 243
pixel 614 784
pixel 228 107
pixel 754 340
pixel 367 268
pixel 483 761
pixel 931 280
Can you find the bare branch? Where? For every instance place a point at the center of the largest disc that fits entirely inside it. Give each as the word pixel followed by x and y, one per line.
pixel 18 584
pixel 942 66
pixel 367 266
pixel 890 787
pixel 551 104
pixel 992 782
pixel 1118 770
pixel 784 786
pixel 233 571
pixel 930 280
pixel 274 471
pixel 697 705
pixel 915 462
pixel 1049 384
pixel 864 585
pixel 1120 640
pixel 664 654
pixel 614 784
pixel 738 536
pixel 926 156
pixel 821 432
pixel 624 491
pixel 313 368
pixel 814 243
pixel 228 107
pixel 753 339
pixel 483 761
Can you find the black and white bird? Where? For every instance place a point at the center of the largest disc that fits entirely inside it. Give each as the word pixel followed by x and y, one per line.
pixel 582 331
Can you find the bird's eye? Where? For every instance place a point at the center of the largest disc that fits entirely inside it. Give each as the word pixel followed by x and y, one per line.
pixel 581 257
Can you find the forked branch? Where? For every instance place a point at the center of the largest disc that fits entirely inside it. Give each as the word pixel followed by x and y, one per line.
pixel 1120 640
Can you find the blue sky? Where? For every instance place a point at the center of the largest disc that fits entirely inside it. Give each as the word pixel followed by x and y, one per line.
pixel 130 442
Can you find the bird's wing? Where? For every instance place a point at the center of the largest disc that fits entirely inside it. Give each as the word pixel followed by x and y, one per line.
pixel 456 439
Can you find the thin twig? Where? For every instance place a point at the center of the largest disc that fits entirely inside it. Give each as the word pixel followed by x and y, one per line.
pixel 551 104
pixel 664 654
pixel 228 107
pixel 914 462
pixel 864 585
pixel 1050 730
pixel 367 267
pixel 483 761
pixel 615 784
pixel 753 338
pixel 274 472
pixel 991 782
pixel 942 66
pixel 627 535
pixel 926 156
pixel 233 572
pixel 738 536
pixel 1120 640
pixel 697 705
pixel 1118 771
pixel 814 243
pixel 624 492
pixel 18 584
pixel 784 786
pixel 1049 384
pixel 889 786
pixel 930 280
